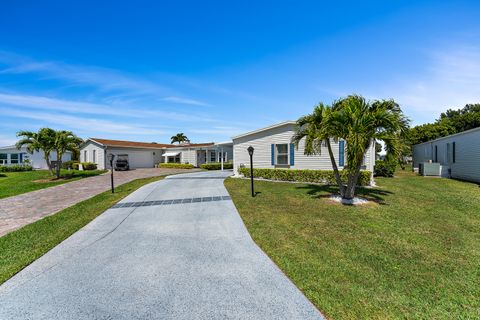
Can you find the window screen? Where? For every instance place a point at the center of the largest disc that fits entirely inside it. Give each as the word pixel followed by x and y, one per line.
pixel 282 154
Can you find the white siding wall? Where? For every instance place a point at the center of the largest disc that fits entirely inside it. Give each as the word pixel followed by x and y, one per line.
pixel 37 160
pixel 422 153
pixel 89 147
pixel 262 142
pixel 189 156
pixel 467 154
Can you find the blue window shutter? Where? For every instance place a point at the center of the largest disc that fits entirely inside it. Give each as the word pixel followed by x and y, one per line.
pixel 453 152
pixel 273 154
pixel 292 154
pixel 341 153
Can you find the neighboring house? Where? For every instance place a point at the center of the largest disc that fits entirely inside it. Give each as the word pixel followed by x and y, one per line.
pixel 457 154
pixel 10 155
pixel 273 149
pixel 148 154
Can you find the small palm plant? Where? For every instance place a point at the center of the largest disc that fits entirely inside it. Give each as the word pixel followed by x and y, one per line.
pixel 179 138
pixel 43 140
pixel 65 141
pixel 359 123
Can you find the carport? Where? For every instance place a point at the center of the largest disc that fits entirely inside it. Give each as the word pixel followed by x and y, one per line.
pixel 171 156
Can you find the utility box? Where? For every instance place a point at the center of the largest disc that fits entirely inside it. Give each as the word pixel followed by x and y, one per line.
pixel 429 169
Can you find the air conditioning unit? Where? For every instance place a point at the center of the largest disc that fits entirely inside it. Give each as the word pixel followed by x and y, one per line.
pixel 429 169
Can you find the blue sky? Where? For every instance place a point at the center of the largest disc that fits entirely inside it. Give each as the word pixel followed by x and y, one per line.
pixel 145 70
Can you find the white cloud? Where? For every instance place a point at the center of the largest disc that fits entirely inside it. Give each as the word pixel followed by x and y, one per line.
pixel 124 109
pixel 450 80
pixel 55 104
pixel 103 79
pixel 185 101
pixel 81 124
pixel 6 140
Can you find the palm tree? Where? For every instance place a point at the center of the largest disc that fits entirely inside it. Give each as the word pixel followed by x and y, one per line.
pixel 35 141
pixel 314 128
pixel 359 123
pixel 179 138
pixel 65 141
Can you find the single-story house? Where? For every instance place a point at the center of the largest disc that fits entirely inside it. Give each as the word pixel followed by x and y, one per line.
pixel 10 155
pixel 274 149
pixel 148 154
pixel 458 155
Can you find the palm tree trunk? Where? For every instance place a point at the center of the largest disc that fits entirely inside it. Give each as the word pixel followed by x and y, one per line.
pixel 49 164
pixel 336 173
pixel 352 183
pixel 59 157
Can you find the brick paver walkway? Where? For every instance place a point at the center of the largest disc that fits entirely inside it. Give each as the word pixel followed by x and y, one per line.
pixel 17 211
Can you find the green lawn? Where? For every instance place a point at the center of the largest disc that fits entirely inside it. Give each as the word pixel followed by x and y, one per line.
pixel 23 246
pixel 14 183
pixel 415 254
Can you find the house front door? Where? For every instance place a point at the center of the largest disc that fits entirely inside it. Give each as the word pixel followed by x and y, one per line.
pixel 201 157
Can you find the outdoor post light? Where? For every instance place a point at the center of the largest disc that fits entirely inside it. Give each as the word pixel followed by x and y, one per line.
pixel 111 156
pixel 250 153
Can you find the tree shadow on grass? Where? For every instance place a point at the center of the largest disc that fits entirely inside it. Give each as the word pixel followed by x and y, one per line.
pixel 2 175
pixel 325 191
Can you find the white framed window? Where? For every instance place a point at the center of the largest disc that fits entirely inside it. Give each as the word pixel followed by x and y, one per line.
pixel 14 158
pixel 281 154
pixel 213 156
pixel 94 156
pixel 85 156
pixel 3 158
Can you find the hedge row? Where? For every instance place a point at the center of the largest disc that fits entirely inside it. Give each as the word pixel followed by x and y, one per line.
pixel 176 165
pixel 317 176
pixel 70 164
pixel 384 168
pixel 85 165
pixel 16 168
pixel 83 173
pixel 216 166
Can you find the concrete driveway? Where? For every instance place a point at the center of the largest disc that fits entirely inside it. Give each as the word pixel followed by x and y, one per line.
pixel 174 249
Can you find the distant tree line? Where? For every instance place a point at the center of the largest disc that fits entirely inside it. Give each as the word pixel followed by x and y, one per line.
pixel 450 122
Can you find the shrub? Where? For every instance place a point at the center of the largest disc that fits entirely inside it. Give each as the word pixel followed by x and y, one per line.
pixel 316 176
pixel 384 168
pixel 16 168
pixel 70 164
pixel 77 173
pixel 216 166
pixel 89 166
pixel 176 165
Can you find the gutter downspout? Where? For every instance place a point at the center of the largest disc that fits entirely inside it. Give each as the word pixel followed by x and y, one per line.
pixel 105 158
pixel 221 158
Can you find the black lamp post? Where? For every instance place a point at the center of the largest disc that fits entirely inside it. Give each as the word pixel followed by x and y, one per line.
pixel 111 156
pixel 250 153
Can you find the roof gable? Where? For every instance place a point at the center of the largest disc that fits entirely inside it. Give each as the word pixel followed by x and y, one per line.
pixel 281 124
pixel 147 145
pixel 131 144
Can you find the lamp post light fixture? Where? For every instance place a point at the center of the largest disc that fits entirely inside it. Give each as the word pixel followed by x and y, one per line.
pixel 250 153
pixel 111 156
